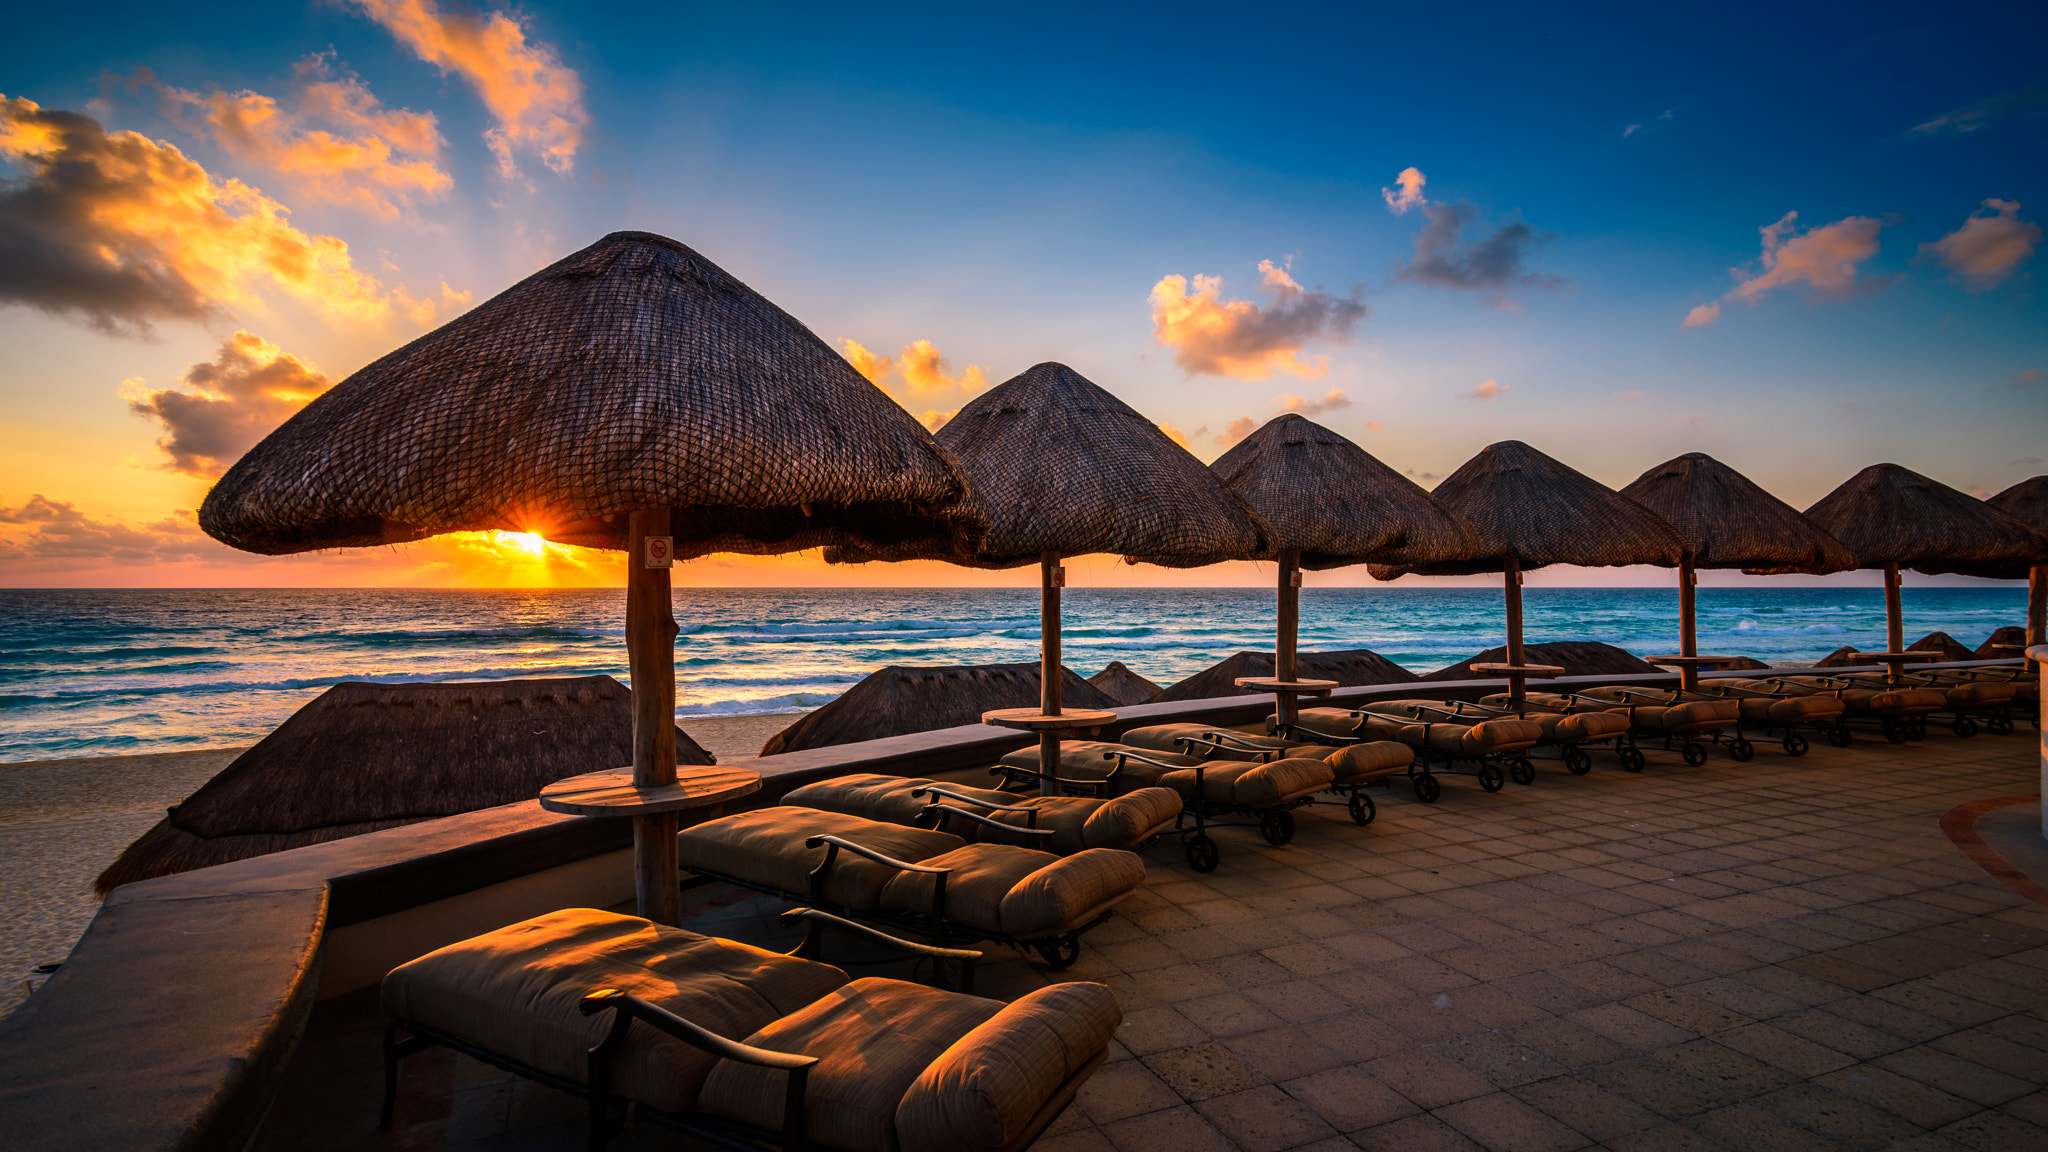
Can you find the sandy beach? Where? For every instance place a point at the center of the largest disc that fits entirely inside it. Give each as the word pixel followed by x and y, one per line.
pixel 63 821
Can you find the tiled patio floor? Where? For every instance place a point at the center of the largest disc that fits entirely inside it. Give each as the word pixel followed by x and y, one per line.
pixel 1785 954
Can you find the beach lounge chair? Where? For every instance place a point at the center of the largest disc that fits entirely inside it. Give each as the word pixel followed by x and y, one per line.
pixel 1969 699
pixel 1659 713
pixel 1130 822
pixel 748 1048
pixel 1776 713
pixel 917 881
pixel 1899 711
pixel 1572 730
pixel 1486 749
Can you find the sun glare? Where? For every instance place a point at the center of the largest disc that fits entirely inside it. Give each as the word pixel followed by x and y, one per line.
pixel 528 542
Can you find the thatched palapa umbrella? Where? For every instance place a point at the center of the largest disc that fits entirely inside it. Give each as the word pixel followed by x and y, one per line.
pixel 1728 522
pixel 1530 511
pixel 2027 502
pixel 901 699
pixel 633 395
pixel 1327 503
pixel 1062 468
pixel 1891 518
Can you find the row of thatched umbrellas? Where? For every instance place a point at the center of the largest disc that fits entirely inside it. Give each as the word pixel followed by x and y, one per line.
pixel 635 396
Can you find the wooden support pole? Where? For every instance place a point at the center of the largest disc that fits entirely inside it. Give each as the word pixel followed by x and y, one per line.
pixel 1688 632
pixel 1512 581
pixel 2037 607
pixel 1894 619
pixel 1287 629
pixel 1050 577
pixel 651 653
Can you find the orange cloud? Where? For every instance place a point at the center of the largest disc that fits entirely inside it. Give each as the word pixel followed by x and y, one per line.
pixel 864 362
pixel 1489 391
pixel 1177 436
pixel 229 404
pixel 364 155
pixel 1825 259
pixel 120 230
pixel 1411 181
pixel 57 531
pixel 1331 401
pixel 1237 430
pixel 933 419
pixel 1988 247
pixel 923 367
pixel 538 101
pixel 1372 425
pixel 1239 338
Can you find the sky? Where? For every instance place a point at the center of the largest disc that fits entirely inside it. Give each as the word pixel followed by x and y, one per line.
pixel 1802 239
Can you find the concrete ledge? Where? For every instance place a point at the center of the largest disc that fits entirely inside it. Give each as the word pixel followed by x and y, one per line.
pixel 169 1023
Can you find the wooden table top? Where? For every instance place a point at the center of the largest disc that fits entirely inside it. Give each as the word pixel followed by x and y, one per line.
pixel 1288 687
pixel 1532 671
pixel 1032 720
pixel 613 793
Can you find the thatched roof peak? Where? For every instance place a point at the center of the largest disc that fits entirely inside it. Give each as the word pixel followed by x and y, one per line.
pixel 1124 686
pixel 1887 514
pixel 1534 508
pixel 1349 668
pixel 1729 522
pixel 1060 465
pixel 1327 498
pixel 2026 501
pixel 634 374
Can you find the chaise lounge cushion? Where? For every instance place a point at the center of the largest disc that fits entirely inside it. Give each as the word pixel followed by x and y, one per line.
pixel 1076 822
pixel 1084 760
pixel 1250 784
pixel 766 847
pixel 1125 822
pixel 1019 891
pixel 1169 737
pixel 515 992
pixel 1564 727
pixel 874 1039
pixel 1370 761
pixel 1328 721
pixel 870 795
pixel 989 1086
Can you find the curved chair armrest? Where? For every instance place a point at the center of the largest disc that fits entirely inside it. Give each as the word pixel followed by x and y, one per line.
pixel 1029 830
pixel 1311 736
pixel 832 842
pixel 817 920
pixel 1140 757
pixel 1099 787
pixel 632 1008
pixel 976 801
pixel 1217 742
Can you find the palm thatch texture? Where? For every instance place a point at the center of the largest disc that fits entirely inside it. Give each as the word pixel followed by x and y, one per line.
pixel 2027 502
pixel 1892 518
pixel 1124 686
pixel 1348 668
pixel 1576 657
pixel 1949 647
pixel 901 699
pixel 2004 643
pixel 1728 522
pixel 363 757
pixel 1062 468
pixel 1531 511
pixel 633 395
pixel 1327 503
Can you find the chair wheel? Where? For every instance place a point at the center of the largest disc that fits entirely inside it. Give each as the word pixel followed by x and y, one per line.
pixel 1840 736
pixel 1964 726
pixel 1202 853
pixel 1999 725
pixel 1742 749
pixel 1917 728
pixel 1895 732
pixel 1277 827
pixel 1060 954
pixel 1490 778
pixel 1428 788
pixel 1632 759
pixel 1362 808
pixel 1795 744
pixel 1577 762
pixel 1695 754
pixel 1521 771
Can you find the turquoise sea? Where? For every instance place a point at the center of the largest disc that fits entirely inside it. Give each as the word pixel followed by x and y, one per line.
pixel 98 672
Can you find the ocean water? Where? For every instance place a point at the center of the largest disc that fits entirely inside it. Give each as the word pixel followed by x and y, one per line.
pixel 98 672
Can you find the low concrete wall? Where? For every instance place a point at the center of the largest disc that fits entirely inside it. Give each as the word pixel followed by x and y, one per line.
pixel 168 1025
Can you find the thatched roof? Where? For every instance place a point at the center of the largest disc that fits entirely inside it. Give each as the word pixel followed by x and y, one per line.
pixel 1843 657
pixel 1729 522
pixel 1576 657
pixel 2026 501
pixel 1059 465
pixel 1886 514
pixel 363 757
pixel 1123 685
pixel 1943 643
pixel 2003 643
pixel 1325 497
pixel 634 374
pixel 901 699
pixel 1348 668
pixel 1535 509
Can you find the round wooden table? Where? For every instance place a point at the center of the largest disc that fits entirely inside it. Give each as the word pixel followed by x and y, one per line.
pixel 1529 671
pixel 1032 720
pixel 613 793
pixel 1286 687
pixel 1689 666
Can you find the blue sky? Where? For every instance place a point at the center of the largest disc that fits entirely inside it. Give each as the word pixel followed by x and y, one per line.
pixel 1013 186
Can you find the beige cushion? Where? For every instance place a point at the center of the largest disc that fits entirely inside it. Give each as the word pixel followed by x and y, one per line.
pixel 515 992
pixel 1798 710
pixel 1253 785
pixel 1128 820
pixel 873 1039
pixel 1167 737
pixel 1076 822
pixel 1579 727
pixel 1494 737
pixel 1000 888
pixel 985 1090
pixel 1373 760
pixel 867 794
pixel 1328 721
pixel 1071 891
pixel 766 847
pixel 1084 760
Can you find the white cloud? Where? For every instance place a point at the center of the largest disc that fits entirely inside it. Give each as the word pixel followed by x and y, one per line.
pixel 1411 181
pixel 1989 247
